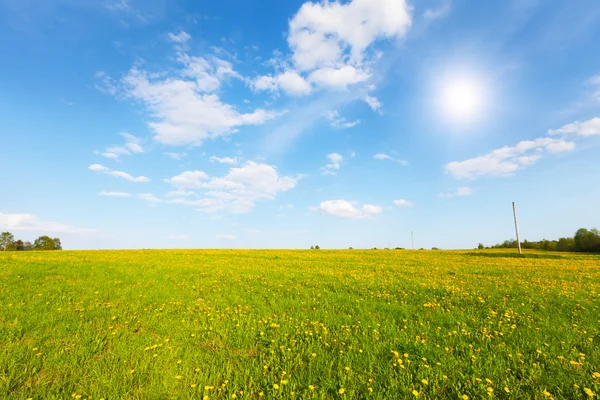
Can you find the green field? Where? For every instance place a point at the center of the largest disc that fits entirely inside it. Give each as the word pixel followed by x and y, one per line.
pixel 182 324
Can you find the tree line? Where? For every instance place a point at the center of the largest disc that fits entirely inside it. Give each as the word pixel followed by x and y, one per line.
pixel 8 243
pixel 587 241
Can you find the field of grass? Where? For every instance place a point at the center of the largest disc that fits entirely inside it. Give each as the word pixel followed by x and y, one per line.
pixel 219 324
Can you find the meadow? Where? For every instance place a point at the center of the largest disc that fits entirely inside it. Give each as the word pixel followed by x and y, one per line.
pixel 223 324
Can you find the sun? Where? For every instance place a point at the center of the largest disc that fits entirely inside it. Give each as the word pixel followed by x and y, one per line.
pixel 462 99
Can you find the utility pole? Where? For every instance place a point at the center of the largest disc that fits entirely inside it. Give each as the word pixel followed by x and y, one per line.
pixel 516 227
pixel 412 240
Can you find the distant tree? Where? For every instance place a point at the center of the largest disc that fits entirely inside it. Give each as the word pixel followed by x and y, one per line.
pixel 588 241
pixel 44 243
pixel 27 246
pixel 317 247
pixel 480 246
pixel 6 241
pixel 399 248
pixel 312 247
pixel 565 244
pixel 57 244
pixel 434 248
pixel 350 248
pixel 19 245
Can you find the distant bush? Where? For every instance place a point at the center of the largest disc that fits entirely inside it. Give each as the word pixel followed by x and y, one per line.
pixel 587 241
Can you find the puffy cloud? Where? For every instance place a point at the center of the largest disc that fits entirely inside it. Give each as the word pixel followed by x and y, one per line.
pixel 224 160
pixel 119 174
pixel 329 44
pixel 289 81
pixel 322 34
pixel 114 194
pixel 188 180
pixel 508 159
pixel 345 209
pixel 339 122
pixel 237 191
pixel 183 105
pixel 404 203
pixel 584 129
pixel 29 222
pixel 459 192
pixel 381 156
pixel 334 165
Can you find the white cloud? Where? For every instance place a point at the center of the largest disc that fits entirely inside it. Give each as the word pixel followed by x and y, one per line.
pixel 439 12
pixel 404 203
pixel 334 165
pixel 373 102
pixel 329 43
pixel 345 209
pixel 584 129
pixel 114 194
pixel 224 160
pixel 149 197
pixel 188 180
pixel 175 156
pixel 104 170
pixel 132 145
pixel 179 193
pixel 339 122
pixel 181 37
pixel 508 159
pixel 383 157
pixel 105 84
pixel 459 192
pixel 237 191
pixel 289 81
pixel 338 78
pixel 329 34
pixel 177 237
pixel 226 236
pixel 183 105
pixel 29 222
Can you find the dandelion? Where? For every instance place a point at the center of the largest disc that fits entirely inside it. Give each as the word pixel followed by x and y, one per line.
pixel 341 391
pixel 506 389
pixel 311 387
pixel 415 393
pixel 465 397
pixel 275 386
pixel 589 392
pixel 424 381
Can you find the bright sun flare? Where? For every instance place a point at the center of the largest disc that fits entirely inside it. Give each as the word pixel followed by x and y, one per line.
pixel 462 99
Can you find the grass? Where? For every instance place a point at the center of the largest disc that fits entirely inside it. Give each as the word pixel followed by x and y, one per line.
pixel 183 324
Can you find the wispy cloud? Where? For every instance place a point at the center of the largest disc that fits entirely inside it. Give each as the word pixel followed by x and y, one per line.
pixel 402 203
pixel 459 192
pixel 508 159
pixel 29 222
pixel 114 194
pixel 119 174
pixel 334 165
pixel 339 122
pixel 383 157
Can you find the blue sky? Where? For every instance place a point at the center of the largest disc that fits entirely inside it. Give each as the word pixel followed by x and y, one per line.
pixel 286 124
